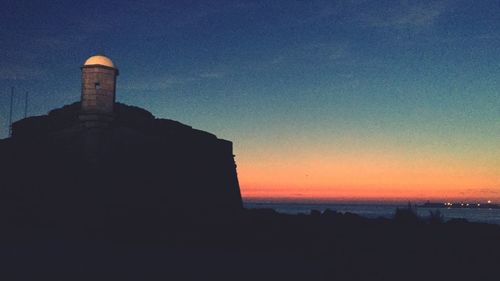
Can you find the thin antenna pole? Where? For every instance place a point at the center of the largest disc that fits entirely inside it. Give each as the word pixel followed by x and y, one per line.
pixel 26 104
pixel 10 112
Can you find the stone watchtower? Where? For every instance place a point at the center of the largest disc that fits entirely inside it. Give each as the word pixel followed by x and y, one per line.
pixel 98 91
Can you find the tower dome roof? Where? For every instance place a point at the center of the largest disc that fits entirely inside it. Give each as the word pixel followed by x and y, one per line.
pixel 99 60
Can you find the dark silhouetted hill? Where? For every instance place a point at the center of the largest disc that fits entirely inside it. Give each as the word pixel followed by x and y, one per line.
pixel 55 168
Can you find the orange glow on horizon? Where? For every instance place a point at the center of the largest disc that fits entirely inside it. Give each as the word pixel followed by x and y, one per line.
pixel 369 177
pixel 382 194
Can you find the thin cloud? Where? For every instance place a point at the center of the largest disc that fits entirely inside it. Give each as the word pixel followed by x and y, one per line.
pixel 20 72
pixel 198 11
pixel 212 75
pixel 332 51
pixel 309 53
pixel 169 81
pixel 406 15
pixel 57 42
pixel 157 84
pixel 485 191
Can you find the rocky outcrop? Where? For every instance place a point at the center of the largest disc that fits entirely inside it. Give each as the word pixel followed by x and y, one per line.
pixel 53 166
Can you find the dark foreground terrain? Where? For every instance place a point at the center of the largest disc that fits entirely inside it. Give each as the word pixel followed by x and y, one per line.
pixel 251 245
pixel 153 199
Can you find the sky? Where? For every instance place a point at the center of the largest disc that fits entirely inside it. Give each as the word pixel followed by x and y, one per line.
pixel 341 99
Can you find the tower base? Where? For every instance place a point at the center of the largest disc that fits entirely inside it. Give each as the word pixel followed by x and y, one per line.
pixel 93 120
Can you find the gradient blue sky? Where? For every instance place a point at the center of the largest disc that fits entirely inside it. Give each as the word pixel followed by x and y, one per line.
pixel 408 81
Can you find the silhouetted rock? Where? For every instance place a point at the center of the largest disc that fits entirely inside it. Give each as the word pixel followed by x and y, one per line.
pixel 407 215
pixel 53 167
pixel 315 213
pixel 330 213
pixel 435 217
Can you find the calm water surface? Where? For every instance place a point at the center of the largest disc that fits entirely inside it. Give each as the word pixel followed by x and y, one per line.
pixel 373 210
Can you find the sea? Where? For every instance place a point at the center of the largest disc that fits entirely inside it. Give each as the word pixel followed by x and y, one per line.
pixel 371 210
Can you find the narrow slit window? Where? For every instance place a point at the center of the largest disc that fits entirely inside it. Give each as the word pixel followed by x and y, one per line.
pixel 97 85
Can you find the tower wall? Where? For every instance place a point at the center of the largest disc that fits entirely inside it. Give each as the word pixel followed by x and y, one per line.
pixel 98 89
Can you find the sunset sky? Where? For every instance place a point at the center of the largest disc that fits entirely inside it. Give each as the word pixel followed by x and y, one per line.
pixel 352 99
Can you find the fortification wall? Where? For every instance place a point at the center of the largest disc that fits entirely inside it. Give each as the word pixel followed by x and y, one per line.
pixel 141 164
